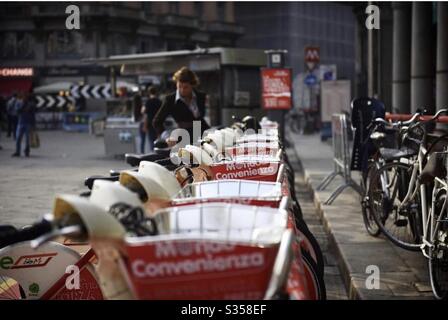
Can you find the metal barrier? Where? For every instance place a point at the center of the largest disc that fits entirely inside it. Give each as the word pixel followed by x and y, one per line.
pixel 341 158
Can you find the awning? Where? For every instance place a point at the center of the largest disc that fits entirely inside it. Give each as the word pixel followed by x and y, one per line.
pixel 9 86
pixel 198 60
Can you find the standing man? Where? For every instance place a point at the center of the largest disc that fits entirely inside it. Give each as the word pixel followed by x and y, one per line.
pixel 149 112
pixel 2 115
pixel 185 105
pixel 25 110
pixel 11 110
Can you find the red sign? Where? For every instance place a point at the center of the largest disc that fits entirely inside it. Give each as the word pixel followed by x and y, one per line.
pixel 260 171
pixel 16 72
pixel 199 270
pixel 312 54
pixel 276 88
pixel 33 261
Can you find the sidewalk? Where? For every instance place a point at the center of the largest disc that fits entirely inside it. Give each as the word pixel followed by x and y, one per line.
pixel 403 274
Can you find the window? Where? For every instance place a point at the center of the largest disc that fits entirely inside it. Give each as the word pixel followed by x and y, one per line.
pixel 65 44
pixel 17 45
pixel 198 9
pixel 174 7
pixel 221 11
pixel 147 7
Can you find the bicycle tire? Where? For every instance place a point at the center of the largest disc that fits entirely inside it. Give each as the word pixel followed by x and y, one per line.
pixel 368 218
pixel 438 268
pixel 440 291
pixel 315 252
pixel 383 216
pixel 316 277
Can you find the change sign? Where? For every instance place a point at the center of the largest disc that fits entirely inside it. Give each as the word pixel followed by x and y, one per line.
pixel 276 88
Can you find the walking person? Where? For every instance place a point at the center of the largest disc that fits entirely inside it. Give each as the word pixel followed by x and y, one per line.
pixel 149 112
pixel 26 121
pixel 11 111
pixel 186 105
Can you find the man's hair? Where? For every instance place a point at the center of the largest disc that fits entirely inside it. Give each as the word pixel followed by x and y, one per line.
pixel 152 90
pixel 186 75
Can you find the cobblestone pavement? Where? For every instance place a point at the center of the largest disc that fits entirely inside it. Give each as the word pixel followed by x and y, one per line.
pixel 60 165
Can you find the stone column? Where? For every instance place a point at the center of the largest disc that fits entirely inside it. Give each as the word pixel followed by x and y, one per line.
pixel 442 56
pixel 401 66
pixel 422 58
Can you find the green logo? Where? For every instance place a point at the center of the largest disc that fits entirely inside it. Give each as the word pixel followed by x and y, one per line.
pixel 34 288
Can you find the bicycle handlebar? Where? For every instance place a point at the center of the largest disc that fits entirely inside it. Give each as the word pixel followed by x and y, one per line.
pixel 12 236
pixel 405 118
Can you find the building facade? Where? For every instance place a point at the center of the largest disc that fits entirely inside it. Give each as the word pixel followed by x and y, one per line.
pixel 34 35
pixel 296 25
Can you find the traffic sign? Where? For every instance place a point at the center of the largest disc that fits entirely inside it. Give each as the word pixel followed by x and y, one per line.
pixel 310 80
pixel 312 54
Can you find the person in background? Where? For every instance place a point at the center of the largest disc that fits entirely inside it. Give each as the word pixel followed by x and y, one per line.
pixel 149 112
pixel 2 115
pixel 11 110
pixel 26 120
pixel 185 105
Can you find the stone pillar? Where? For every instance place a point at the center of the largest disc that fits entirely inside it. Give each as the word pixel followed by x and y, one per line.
pixel 422 58
pixel 385 40
pixel 370 64
pixel 442 56
pixel 401 66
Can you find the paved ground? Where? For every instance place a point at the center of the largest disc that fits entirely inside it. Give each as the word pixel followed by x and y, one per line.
pixel 403 274
pixel 28 185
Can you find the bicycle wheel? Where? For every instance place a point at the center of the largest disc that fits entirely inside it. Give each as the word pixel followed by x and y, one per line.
pixel 310 245
pixel 10 289
pixel 367 214
pixel 438 262
pixel 315 279
pixel 387 189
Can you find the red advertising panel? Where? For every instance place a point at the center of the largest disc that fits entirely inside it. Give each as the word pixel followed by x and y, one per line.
pixel 276 88
pixel 260 171
pixel 200 270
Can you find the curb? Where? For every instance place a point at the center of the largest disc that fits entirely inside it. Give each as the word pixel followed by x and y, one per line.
pixel 350 287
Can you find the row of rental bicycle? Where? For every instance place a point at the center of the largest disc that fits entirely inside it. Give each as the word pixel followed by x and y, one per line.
pixel 405 183
pixel 215 220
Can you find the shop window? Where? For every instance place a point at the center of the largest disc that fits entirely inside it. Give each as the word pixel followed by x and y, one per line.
pixel 65 44
pixel 174 7
pixel 17 45
pixel 221 11
pixel 147 7
pixel 198 9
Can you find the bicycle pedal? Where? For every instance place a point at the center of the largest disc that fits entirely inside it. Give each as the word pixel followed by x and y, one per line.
pixel 401 223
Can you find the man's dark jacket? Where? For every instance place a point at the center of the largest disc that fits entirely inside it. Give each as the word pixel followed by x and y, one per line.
pixel 181 113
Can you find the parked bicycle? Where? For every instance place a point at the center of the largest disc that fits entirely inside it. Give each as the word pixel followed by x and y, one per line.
pixel 407 195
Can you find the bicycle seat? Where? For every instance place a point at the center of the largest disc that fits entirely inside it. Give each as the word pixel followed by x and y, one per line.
pixel 116 172
pixel 88 182
pixel 433 168
pixel 394 154
pixel 134 159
